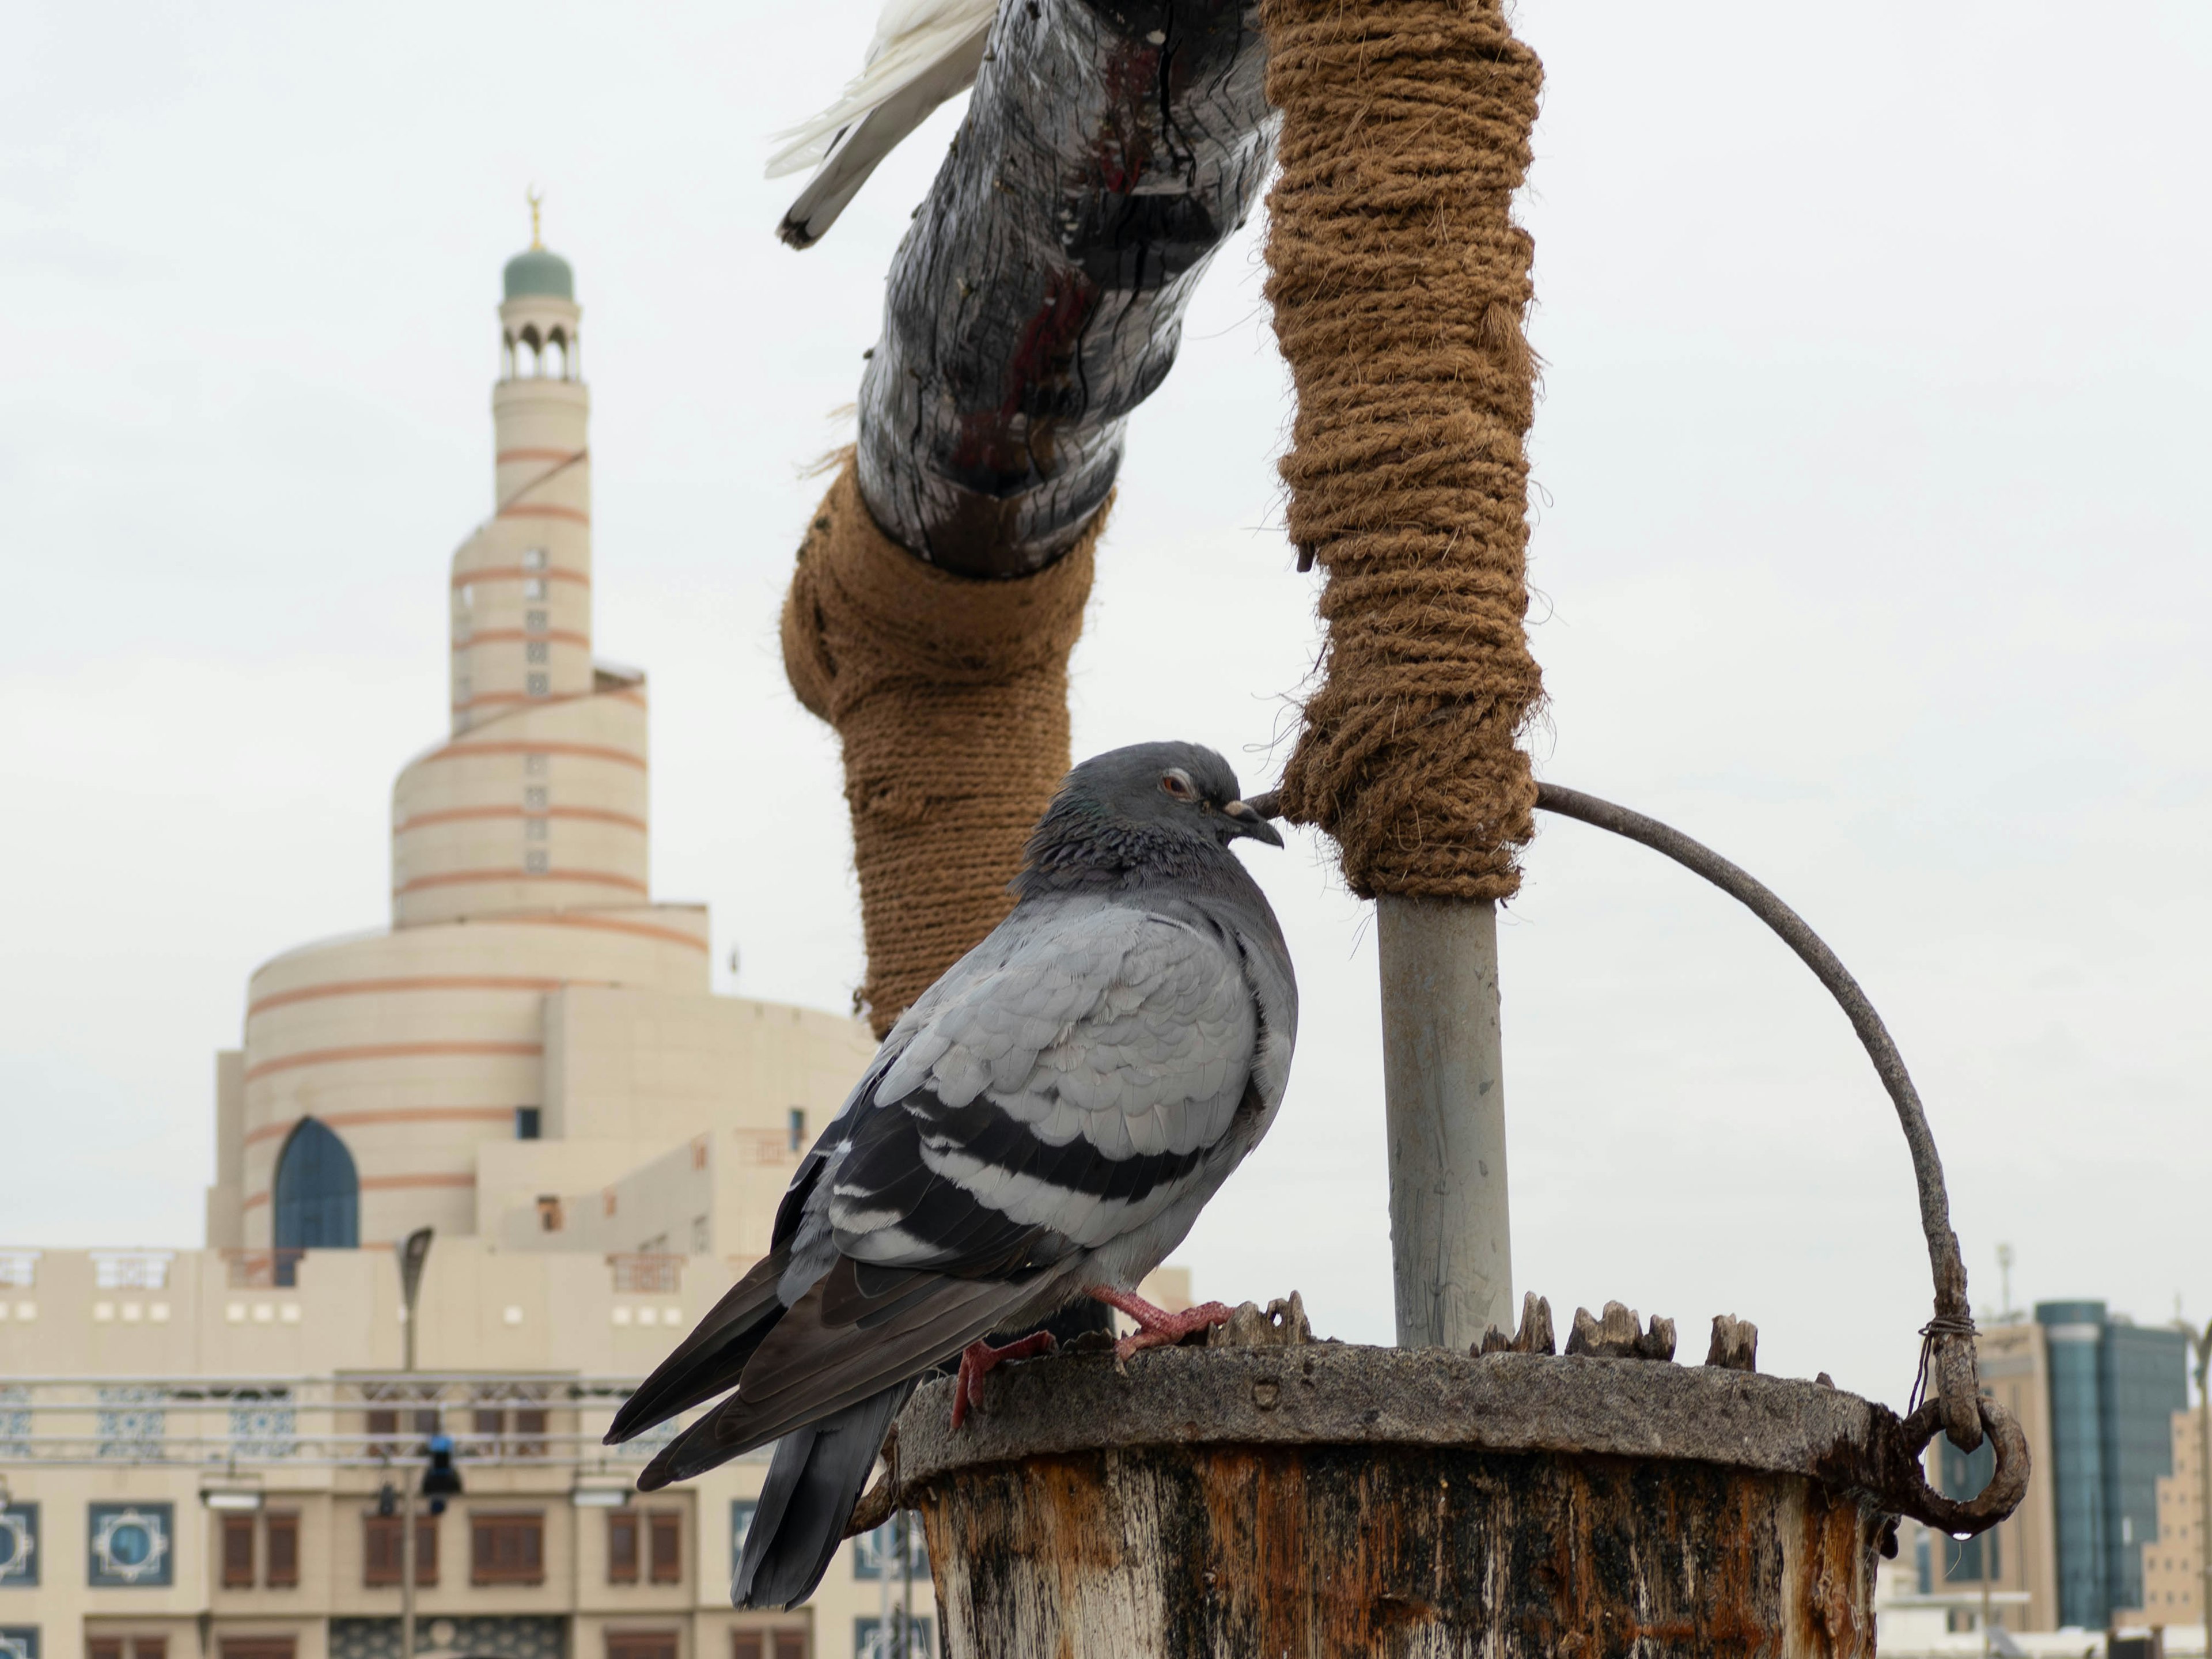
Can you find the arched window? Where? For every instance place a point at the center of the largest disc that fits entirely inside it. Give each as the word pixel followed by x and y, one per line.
pixel 557 354
pixel 530 344
pixel 317 1194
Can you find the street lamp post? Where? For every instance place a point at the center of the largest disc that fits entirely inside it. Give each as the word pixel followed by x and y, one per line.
pixel 413 1254
pixel 2203 1343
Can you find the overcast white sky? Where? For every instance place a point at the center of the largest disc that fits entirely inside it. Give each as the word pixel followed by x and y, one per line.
pixel 1871 543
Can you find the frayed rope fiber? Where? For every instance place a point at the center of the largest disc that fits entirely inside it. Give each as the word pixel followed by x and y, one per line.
pixel 951 695
pixel 1399 281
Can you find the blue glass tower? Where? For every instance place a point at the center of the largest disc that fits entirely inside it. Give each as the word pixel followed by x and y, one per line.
pixel 2114 1389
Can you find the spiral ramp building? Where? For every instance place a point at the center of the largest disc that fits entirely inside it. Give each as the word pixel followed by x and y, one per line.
pixel 532 1026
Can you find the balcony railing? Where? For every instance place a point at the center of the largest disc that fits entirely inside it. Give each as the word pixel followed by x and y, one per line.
pixel 356 1420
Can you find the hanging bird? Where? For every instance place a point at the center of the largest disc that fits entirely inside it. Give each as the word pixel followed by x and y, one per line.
pixel 925 51
pixel 1043 1125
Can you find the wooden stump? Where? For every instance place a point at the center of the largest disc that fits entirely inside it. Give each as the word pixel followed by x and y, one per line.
pixel 1319 1500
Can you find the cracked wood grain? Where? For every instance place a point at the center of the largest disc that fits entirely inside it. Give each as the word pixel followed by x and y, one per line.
pixel 1107 152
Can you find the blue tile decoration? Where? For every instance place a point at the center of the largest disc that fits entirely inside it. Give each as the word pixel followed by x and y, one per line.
pixel 132 1546
pixel 135 1435
pixel 19 1642
pixel 19 1546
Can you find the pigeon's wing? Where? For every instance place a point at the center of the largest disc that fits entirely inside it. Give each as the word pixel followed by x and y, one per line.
pixel 925 52
pixel 1063 1087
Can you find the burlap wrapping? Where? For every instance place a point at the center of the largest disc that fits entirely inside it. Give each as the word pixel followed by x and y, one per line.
pixel 1399 281
pixel 951 695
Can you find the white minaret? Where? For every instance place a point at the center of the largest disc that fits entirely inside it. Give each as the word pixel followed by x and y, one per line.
pixel 378 1069
pixel 537 801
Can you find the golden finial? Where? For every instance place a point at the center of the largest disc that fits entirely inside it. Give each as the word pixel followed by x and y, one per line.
pixel 536 201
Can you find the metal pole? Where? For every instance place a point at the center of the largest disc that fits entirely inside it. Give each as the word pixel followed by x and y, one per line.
pixel 407 1567
pixel 1443 1089
pixel 412 1255
pixel 2204 1486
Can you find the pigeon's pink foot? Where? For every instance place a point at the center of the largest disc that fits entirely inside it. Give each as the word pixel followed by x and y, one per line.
pixel 1156 1327
pixel 979 1359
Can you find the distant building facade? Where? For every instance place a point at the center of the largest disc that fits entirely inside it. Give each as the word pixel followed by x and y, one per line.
pixel 2104 1404
pixel 196 1445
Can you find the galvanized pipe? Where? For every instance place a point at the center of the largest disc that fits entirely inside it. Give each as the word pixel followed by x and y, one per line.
pixel 1451 1251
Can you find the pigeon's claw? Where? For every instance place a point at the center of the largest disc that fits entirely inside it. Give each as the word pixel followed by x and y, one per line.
pixel 1156 1327
pixel 979 1359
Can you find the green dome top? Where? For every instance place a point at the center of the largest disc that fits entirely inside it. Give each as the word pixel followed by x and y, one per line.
pixel 537 271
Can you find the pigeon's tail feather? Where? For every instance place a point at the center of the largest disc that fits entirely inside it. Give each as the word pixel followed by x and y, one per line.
pixel 863 142
pixel 707 1362
pixel 814 1481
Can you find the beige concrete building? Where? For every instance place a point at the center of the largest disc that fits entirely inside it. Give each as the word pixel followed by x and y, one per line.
pixel 2174 1563
pixel 195 1445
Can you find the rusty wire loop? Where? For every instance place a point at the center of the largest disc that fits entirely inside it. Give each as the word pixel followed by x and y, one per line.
pixel 1958 1407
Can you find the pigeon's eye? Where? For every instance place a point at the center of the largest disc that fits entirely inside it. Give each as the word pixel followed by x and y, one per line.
pixel 1177 783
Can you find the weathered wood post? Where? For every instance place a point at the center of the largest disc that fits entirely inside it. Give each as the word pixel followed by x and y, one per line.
pixel 1036 300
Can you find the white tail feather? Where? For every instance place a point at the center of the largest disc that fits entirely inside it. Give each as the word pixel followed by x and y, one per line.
pixel 913 38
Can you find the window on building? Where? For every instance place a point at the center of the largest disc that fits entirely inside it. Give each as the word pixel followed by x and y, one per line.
pixel 640 1644
pixel 467 596
pixel 530 1432
pixel 507 1548
pixel 538 685
pixel 621 1546
pixel 256 1647
pixel 238 1552
pixel 533 766
pixel 526 1123
pixel 533 622
pixel 318 1200
pixel 383 1433
pixel 534 863
pixel 380 1561
pixel 550 1217
pixel 870 1640
pixel 281 1552
pixel 665 1533
pixel 533 558
pixel 489 1425
pixel 536 651
pixel 533 799
pixel 798 1127
pixel 533 587
pixel 103 1647
pixel 534 829
pixel 875 1551
pixel 768 1644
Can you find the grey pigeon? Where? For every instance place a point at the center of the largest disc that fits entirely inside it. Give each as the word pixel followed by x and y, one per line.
pixel 1043 1125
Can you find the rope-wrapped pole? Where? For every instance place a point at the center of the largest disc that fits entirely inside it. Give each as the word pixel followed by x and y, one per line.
pixel 1036 300
pixel 1399 282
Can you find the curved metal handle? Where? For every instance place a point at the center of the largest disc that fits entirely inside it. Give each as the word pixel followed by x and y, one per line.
pixel 1947 1339
pixel 1902 1484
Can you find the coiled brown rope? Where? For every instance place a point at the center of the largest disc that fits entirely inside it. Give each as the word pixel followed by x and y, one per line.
pixel 1399 281
pixel 951 695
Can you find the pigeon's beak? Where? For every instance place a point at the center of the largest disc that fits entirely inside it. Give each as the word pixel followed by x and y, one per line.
pixel 1247 821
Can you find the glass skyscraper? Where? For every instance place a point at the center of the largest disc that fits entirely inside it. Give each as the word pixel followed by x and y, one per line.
pixel 2114 1389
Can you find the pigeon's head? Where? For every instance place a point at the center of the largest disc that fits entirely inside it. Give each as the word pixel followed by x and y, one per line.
pixel 1153 805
